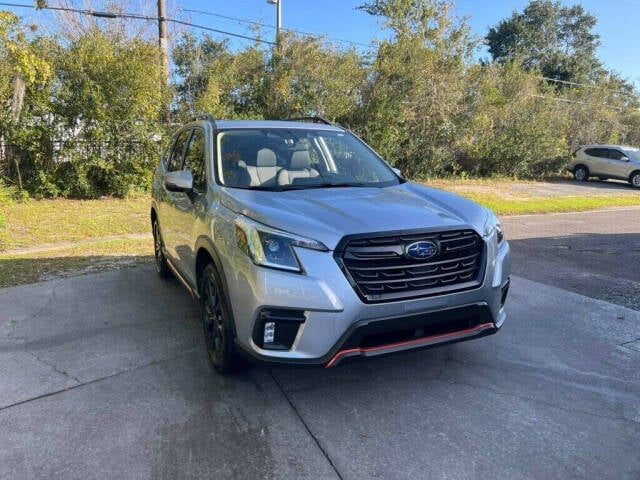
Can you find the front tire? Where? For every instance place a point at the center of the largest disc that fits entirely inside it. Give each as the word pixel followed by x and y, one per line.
pixel 216 322
pixel 634 179
pixel 581 173
pixel 158 250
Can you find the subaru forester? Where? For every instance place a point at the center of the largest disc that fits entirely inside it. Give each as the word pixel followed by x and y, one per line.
pixel 303 246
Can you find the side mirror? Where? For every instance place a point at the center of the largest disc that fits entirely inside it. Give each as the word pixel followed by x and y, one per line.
pixel 624 159
pixel 179 181
pixel 397 171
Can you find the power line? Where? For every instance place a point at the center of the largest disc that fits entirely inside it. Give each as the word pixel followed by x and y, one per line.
pixel 135 16
pixel 202 27
pixel 565 82
pixel 566 100
pixel 251 22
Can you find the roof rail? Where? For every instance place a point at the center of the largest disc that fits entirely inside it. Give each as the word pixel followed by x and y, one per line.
pixel 312 119
pixel 204 116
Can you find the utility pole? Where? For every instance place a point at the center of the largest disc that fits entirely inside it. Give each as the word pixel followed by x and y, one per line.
pixel 162 40
pixel 164 54
pixel 277 3
pixel 279 22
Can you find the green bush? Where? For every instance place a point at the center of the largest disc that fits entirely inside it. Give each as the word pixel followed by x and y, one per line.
pixel 93 103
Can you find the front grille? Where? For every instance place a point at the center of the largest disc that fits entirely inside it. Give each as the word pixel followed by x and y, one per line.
pixel 379 269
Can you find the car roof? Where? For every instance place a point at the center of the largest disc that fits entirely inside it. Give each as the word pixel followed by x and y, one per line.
pixel 622 147
pixel 248 124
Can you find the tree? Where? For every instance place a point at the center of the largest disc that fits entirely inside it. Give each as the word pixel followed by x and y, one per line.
pixel 195 62
pixel 214 79
pixel 513 125
pixel 557 41
pixel 25 77
pixel 308 77
pixel 304 77
pixel 106 107
pixel 415 97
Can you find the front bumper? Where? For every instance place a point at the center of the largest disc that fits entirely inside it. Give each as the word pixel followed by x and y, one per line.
pixel 338 326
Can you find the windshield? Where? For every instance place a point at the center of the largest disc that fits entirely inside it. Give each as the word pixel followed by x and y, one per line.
pixel 633 153
pixel 288 159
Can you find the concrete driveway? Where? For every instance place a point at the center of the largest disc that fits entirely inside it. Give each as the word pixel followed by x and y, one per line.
pixel 105 376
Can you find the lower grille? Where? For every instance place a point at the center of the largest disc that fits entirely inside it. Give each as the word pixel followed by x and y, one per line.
pixel 382 268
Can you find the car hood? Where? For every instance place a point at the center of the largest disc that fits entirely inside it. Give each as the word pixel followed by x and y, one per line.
pixel 328 214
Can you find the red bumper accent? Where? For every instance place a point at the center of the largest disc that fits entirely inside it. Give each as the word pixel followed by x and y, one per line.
pixel 406 345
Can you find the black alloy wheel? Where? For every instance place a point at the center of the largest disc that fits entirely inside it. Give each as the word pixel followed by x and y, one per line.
pixel 216 322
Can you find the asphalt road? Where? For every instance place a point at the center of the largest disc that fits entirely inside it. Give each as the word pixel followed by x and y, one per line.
pixel 594 253
pixel 105 376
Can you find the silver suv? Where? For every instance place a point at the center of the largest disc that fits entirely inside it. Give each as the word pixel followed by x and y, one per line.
pixel 606 161
pixel 304 247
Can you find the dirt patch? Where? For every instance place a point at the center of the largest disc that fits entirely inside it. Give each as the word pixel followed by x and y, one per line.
pixel 514 190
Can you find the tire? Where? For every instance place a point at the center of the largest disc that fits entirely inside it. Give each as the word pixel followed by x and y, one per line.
pixel 581 173
pixel 158 250
pixel 216 323
pixel 634 179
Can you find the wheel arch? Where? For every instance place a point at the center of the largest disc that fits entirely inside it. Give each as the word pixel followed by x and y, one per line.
pixel 206 252
pixel 153 212
pixel 633 173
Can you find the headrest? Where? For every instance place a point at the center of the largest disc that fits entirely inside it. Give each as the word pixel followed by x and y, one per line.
pixel 300 160
pixel 266 158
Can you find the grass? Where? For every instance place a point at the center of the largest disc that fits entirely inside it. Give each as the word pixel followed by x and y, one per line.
pixel 57 238
pixel 509 197
pixel 50 239
pixel 502 206
pixel 35 223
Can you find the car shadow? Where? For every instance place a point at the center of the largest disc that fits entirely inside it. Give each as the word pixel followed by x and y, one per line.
pixel 595 265
pixel 595 183
pixel 22 271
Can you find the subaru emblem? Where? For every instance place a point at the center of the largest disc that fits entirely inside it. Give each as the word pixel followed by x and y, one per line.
pixel 421 250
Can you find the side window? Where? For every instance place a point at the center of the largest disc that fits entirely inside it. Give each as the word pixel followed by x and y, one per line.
pixel 597 152
pixel 349 159
pixel 175 160
pixel 194 160
pixel 616 154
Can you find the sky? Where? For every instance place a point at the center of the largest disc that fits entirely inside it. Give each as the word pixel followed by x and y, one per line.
pixel 617 21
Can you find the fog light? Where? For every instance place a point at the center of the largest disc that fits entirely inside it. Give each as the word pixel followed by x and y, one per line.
pixel 269 332
pixel 277 329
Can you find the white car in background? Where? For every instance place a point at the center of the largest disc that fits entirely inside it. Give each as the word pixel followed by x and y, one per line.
pixel 605 162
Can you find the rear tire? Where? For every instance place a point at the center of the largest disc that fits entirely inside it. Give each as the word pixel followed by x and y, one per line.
pixel 158 249
pixel 581 173
pixel 216 323
pixel 634 179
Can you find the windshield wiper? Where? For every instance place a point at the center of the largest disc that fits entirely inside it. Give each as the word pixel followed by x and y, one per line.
pixel 304 186
pixel 321 185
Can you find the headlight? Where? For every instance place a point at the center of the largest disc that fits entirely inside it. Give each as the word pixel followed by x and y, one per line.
pixel 270 247
pixel 493 224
